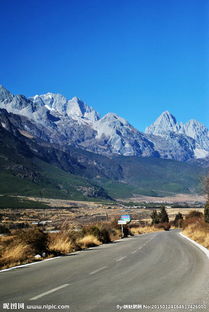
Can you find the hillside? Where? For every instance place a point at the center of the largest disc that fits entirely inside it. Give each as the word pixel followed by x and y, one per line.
pixel 31 167
pixel 155 177
pixel 23 173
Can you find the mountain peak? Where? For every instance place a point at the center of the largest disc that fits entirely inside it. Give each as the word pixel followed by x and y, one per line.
pixel 167 115
pixel 75 98
pixel 166 122
pixel 5 94
pixel 78 109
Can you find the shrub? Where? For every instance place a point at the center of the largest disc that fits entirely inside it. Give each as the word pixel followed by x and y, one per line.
pixel 4 229
pixel 206 212
pixel 197 230
pixel 59 243
pixel 145 229
pixel 35 238
pixel 165 226
pixel 89 241
pixel 92 230
pixel 100 231
pixel 194 214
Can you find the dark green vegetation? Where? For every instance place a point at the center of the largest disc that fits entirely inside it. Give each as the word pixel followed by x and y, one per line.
pixel 178 220
pixel 29 166
pixel 23 173
pixel 155 177
pixel 20 203
pixel 159 217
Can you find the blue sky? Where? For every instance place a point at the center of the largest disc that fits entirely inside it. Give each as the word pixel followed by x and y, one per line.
pixel 136 58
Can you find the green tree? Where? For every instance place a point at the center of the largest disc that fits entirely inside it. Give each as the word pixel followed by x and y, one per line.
pixel 178 220
pixel 163 216
pixel 155 217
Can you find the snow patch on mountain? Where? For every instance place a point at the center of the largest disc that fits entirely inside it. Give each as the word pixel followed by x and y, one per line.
pixel 200 153
pixel 73 122
pixel 74 108
pixel 166 124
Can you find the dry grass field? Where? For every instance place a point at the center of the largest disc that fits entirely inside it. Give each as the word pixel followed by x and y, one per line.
pixel 67 226
pixel 64 214
pixel 189 198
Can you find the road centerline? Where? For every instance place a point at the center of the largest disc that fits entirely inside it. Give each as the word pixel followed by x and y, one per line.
pixel 121 258
pixel 98 270
pixel 49 292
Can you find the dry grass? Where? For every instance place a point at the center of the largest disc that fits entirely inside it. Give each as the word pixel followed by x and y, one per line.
pixel 89 241
pixel 15 254
pixel 199 232
pixel 115 235
pixel 60 243
pixel 145 229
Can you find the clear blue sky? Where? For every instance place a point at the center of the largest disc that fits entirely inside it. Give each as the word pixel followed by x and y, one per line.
pixel 136 58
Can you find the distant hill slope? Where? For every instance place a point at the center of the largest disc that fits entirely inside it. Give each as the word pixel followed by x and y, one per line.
pixel 155 177
pixel 30 166
pixel 24 173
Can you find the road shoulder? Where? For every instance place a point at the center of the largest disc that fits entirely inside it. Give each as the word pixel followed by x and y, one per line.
pixel 205 250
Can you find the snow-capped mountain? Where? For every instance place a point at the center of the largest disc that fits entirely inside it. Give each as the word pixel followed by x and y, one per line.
pixel 166 126
pixel 72 122
pixel 164 123
pixel 73 108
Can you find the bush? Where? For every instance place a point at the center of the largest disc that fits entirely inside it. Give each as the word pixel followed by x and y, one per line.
pixel 198 230
pixel 194 214
pixel 4 229
pixel 101 232
pixel 165 226
pixel 15 254
pixel 59 243
pixel 206 212
pixel 35 238
pixel 89 241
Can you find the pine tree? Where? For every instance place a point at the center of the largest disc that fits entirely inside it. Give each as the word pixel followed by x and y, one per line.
pixel 178 219
pixel 163 216
pixel 155 217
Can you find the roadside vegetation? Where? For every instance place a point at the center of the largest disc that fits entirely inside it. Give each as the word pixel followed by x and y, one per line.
pixel 196 224
pixel 196 228
pixel 20 245
pixel 31 244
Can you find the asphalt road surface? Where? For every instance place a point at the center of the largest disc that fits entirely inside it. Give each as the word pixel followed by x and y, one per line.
pixel 141 273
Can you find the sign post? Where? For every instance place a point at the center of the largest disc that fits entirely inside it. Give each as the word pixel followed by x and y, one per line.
pixel 123 220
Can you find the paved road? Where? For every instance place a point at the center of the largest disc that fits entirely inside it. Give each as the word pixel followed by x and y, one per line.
pixel 152 269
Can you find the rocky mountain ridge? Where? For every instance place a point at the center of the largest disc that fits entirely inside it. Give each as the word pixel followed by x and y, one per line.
pixel 73 123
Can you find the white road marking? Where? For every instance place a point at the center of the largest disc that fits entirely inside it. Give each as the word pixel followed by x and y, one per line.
pixel 146 243
pixel 98 270
pixel 205 250
pixel 49 292
pixel 120 259
pixel 133 252
pixel 28 264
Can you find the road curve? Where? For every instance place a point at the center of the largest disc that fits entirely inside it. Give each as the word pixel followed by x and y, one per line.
pixel 151 270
